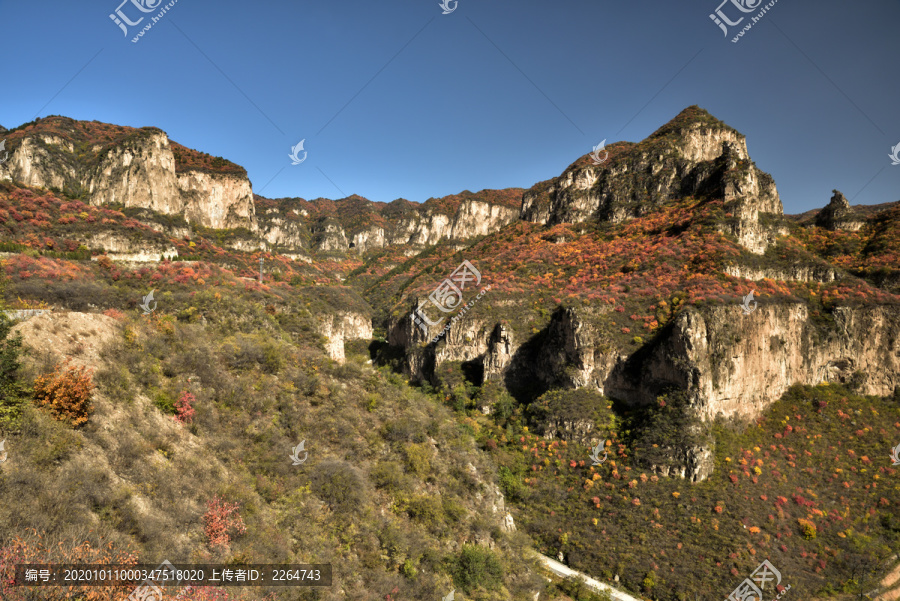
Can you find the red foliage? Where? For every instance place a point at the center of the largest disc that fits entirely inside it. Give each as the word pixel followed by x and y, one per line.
pixel 115 314
pixel 221 519
pixel 184 410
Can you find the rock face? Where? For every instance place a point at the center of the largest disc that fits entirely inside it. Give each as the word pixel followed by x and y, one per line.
pixel 328 235
pixel 728 362
pixel 737 364
pixel 33 164
pixel 695 463
pixel 122 248
pixel 838 215
pixel 361 225
pixel 340 327
pixel 137 169
pixel 693 154
pixel 794 273
pixel 217 200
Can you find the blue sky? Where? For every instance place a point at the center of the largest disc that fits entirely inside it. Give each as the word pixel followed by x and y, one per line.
pixel 395 99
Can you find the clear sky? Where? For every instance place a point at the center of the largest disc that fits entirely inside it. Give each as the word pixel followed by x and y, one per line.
pixel 395 99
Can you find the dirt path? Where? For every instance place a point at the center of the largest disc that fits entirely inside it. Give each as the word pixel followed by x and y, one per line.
pixel 891 580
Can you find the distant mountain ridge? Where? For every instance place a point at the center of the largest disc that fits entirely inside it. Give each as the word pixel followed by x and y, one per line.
pixel 863 210
pixel 105 164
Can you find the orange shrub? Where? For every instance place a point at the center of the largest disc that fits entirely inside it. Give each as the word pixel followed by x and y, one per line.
pixel 105 262
pixel 66 393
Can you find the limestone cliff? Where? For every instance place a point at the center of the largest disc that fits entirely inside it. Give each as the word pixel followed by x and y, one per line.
pixel 730 363
pixel 694 154
pixel 737 364
pixel 340 327
pixel 122 248
pixel 132 167
pixel 355 223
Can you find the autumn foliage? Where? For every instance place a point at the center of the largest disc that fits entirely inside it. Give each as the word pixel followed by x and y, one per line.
pixel 221 520
pixel 32 548
pixel 184 410
pixel 66 393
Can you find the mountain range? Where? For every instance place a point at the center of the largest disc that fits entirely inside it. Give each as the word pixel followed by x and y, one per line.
pixel 655 300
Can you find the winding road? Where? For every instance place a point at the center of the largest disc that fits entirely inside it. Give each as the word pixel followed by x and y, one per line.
pixel 564 571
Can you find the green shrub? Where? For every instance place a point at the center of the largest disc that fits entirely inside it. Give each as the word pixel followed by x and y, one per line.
pixel 408 569
pixel 576 588
pixel 389 476
pixel 502 404
pixel 459 398
pixel 11 397
pixel 403 429
pixel 476 567
pixel 164 402
pixel 417 456
pixel 511 485
pixel 807 528
pixel 246 351
pixel 672 423
pixel 57 443
pixel 426 509
pixel 453 509
pixel 649 581
pixel 339 484
pixel 566 406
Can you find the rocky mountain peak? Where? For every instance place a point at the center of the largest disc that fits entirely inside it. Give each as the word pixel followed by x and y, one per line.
pixel 694 154
pixel 839 215
pixel 692 117
pixel 839 200
pixel 699 136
